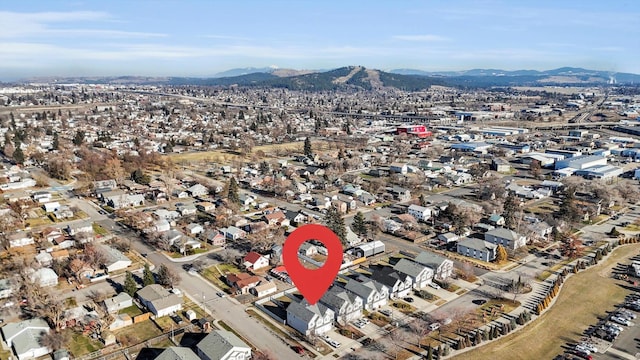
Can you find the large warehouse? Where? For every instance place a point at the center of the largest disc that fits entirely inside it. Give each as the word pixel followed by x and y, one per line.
pixel 581 162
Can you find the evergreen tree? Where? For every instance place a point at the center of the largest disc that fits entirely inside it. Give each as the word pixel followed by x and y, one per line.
pixel 78 139
pixel 130 286
pixel 511 208
pixel 359 225
pixel 501 254
pixel 232 191
pixel 308 151
pixel 168 148
pixel 335 222
pixel 18 155
pixel 55 145
pixel 430 353
pixel 264 167
pixel 423 200
pixel 148 277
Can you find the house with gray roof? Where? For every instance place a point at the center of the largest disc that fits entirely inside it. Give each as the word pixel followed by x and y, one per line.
pixel 345 305
pixel 442 267
pixel 477 249
pixel 114 260
pixel 118 302
pixel 372 293
pixel 223 345
pixel 177 353
pixel 399 284
pixel 508 238
pixel 420 275
pixel 24 338
pixel 159 300
pixel 310 319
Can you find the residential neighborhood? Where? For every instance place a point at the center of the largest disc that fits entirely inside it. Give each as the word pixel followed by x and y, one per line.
pixel 149 221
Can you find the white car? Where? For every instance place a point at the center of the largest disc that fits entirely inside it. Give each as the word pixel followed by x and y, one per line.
pixel 592 348
pixel 435 286
pixel 583 349
pixel 434 326
pixel 620 320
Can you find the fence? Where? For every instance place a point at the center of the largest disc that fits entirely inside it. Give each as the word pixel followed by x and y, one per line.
pixel 128 352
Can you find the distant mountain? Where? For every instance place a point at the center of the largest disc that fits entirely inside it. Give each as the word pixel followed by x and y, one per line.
pixel 244 71
pixel 564 75
pixel 361 78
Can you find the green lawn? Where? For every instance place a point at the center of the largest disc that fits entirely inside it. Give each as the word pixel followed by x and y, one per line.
pixel 212 274
pixel 81 345
pixel 137 333
pixel 99 229
pixel 566 320
pixel 132 311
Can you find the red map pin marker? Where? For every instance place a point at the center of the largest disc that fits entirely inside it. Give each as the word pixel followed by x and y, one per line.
pixel 312 284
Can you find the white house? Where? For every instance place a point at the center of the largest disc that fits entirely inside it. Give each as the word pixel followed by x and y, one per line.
pixel 24 338
pixel 263 289
pixel 399 284
pixel 45 277
pixel 20 238
pixel 442 267
pixel 51 206
pixel 346 305
pixel 118 302
pixel 194 228
pixel 421 275
pixel 222 345
pixel 372 293
pixel 254 261
pixel 310 319
pixel 159 300
pixel 510 239
pixel 114 260
pixel 421 213
pixel 198 190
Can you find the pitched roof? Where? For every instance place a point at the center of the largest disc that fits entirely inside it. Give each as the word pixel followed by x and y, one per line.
pixel 409 267
pixel 336 297
pixel 177 353
pixel 305 311
pixel 218 343
pixel 160 297
pixel 363 289
pixel 430 259
pixel 25 335
pixel 252 257
pixel 477 244
pixel 503 233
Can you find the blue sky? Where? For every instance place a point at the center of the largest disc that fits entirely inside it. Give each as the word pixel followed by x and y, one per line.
pixel 201 38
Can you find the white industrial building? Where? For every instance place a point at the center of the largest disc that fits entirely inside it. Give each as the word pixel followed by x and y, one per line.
pixel 600 172
pixel 581 162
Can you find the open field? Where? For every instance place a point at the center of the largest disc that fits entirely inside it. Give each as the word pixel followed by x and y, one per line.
pixel 568 317
pixel 225 156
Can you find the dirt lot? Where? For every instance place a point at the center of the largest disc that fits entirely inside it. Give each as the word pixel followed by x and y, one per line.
pixel 568 318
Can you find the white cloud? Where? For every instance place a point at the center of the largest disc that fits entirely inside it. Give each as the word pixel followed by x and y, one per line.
pixel 422 38
pixel 16 25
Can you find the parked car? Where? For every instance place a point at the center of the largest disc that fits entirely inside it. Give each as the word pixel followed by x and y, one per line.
pixel 591 347
pixel 583 349
pixel 298 349
pixel 385 312
pixel 434 326
pixel 220 294
pixel 408 299
pixel 435 286
pixel 620 320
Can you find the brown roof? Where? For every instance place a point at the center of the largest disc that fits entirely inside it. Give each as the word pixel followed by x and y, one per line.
pixel 233 278
pixel 252 280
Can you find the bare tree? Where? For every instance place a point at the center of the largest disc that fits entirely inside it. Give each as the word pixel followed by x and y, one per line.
pixel 54 340
pixel 419 329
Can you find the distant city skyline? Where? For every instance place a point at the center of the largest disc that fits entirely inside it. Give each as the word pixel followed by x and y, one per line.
pixel 202 38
